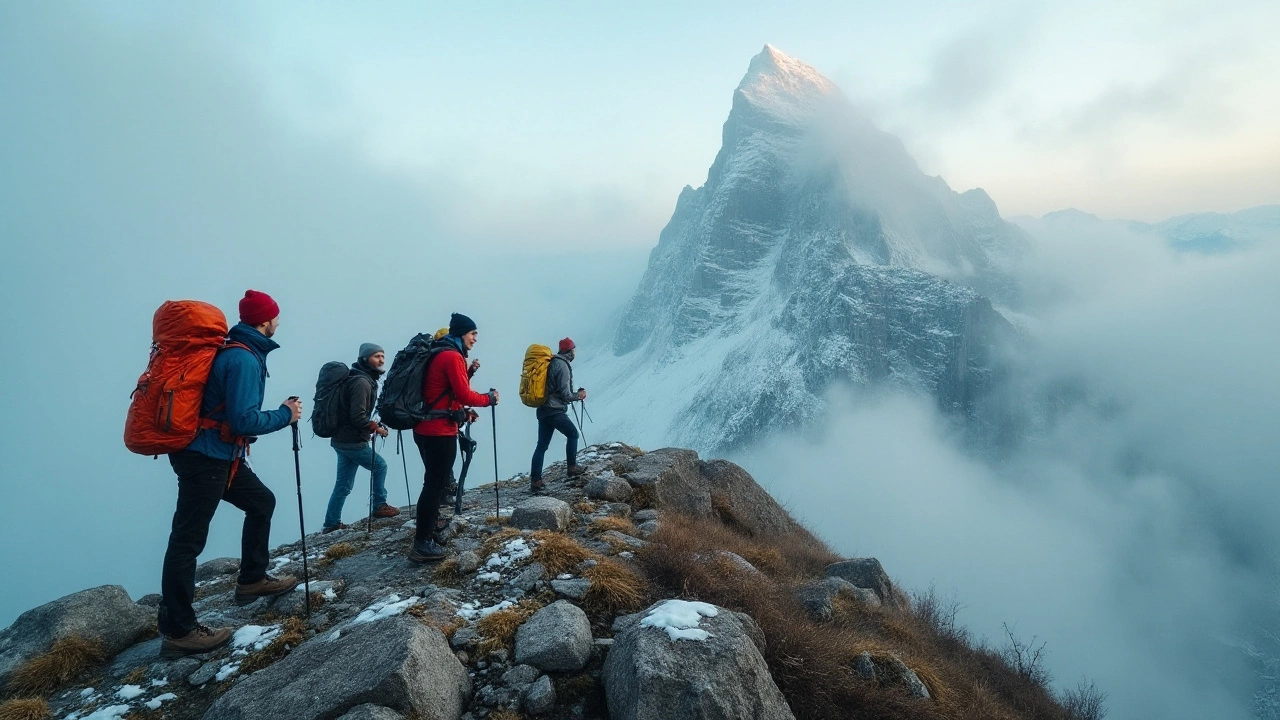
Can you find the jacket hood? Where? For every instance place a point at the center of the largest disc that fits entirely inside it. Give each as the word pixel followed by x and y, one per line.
pixel 257 342
pixel 455 342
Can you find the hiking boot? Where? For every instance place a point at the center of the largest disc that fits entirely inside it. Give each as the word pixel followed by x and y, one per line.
pixel 429 551
pixel 266 587
pixel 334 528
pixel 575 470
pixel 537 487
pixel 386 511
pixel 200 640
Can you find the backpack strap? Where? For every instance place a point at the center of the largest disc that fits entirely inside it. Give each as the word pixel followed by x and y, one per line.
pixel 223 427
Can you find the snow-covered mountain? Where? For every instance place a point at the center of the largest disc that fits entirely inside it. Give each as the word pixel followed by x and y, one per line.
pixel 816 252
pixel 1206 233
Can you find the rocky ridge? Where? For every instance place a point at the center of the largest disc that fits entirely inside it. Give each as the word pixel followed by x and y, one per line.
pixel 523 617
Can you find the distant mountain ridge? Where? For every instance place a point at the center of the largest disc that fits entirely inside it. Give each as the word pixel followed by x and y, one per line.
pixel 1205 233
pixel 816 252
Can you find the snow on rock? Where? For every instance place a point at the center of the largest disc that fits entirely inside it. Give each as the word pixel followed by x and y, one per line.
pixel 129 692
pixel 252 638
pixel 111 712
pixel 680 619
pixel 157 701
pixel 389 606
pixel 514 551
pixel 472 611
pixel 227 671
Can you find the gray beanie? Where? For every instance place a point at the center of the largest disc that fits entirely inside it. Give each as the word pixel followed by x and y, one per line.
pixel 368 349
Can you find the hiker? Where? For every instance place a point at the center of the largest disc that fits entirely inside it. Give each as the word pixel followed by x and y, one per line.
pixel 553 414
pixel 215 467
pixel 447 393
pixel 350 441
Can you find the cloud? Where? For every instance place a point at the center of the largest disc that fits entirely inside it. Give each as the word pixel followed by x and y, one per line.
pixel 972 68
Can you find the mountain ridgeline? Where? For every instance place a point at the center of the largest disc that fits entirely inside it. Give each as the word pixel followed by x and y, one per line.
pixel 817 252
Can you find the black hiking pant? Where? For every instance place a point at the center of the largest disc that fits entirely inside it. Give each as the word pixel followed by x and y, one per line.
pixel 438 453
pixel 548 424
pixel 202 484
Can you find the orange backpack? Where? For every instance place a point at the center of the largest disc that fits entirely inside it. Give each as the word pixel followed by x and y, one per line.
pixel 164 414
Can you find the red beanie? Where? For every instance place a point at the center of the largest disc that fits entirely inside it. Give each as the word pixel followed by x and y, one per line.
pixel 566 345
pixel 257 308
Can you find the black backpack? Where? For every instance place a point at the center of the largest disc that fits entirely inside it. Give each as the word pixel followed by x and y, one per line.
pixel 326 411
pixel 401 405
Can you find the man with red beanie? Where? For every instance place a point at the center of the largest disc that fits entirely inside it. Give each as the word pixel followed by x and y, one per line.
pixel 553 414
pixel 446 390
pixel 214 468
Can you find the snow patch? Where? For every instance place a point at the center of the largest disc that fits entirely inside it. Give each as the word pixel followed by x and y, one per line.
pixel 159 700
pixel 111 712
pixel 471 611
pixel 252 638
pixel 680 619
pixel 227 671
pixel 513 552
pixel 389 606
pixel 129 692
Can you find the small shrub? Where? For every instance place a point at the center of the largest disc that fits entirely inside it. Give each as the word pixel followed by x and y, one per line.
pixel 605 524
pixel 292 632
pixel 557 552
pixel 614 588
pixel 1026 658
pixel 1085 702
pixel 337 551
pixel 43 674
pixel 499 628
pixel 25 709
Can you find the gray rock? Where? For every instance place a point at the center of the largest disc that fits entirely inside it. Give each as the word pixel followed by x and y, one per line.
pixel 907 678
pixel 623 623
pixel 520 675
pixel 626 541
pixel 573 588
pixel 179 669
pixel 557 637
pixel 468 562
pixel 864 666
pixel 648 676
pixel 103 614
pixel 539 697
pixel 648 528
pixel 141 655
pixel 151 600
pixel 616 509
pixel 204 673
pixel 867 573
pixel 642 516
pixel 217 567
pixel 369 711
pixel 613 489
pixel 818 597
pixel 542 513
pixel 398 663
pixel 464 638
pixel 527 577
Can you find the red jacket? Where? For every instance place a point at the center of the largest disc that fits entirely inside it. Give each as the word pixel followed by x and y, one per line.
pixel 448 371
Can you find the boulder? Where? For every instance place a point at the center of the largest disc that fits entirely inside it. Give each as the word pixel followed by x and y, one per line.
pixel 468 562
pixel 622 540
pixel 542 513
pixel 647 528
pixel 613 489
pixel 573 588
pixel 868 574
pixel 818 597
pixel 557 637
pixel 617 509
pixel 649 676
pixel 216 568
pixel 141 655
pixel 643 516
pixel 539 697
pixel 398 663
pixel 369 711
pixel 103 614
pixel 520 675
pixel 528 577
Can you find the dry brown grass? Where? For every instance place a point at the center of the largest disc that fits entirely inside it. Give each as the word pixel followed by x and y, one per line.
pixel 505 714
pixel 586 507
pixel 447 569
pixel 605 524
pixel 615 588
pixel 499 628
pixel 446 627
pixel 557 552
pixel 135 676
pixel 60 664
pixel 495 520
pixel 812 661
pixel 292 632
pixel 494 542
pixel 337 551
pixel 25 709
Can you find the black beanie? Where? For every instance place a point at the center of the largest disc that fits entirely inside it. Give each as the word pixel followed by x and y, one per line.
pixel 460 324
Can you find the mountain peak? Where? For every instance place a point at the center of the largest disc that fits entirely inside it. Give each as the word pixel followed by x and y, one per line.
pixel 781 85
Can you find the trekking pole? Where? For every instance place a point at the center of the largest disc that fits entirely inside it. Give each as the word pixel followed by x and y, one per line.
pixel 405 464
pixel 467 455
pixel 581 429
pixel 297 471
pixel 373 462
pixel 497 500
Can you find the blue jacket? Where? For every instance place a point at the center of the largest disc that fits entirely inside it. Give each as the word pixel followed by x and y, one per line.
pixel 237 384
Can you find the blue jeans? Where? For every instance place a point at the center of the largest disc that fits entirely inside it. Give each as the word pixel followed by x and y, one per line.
pixel 547 425
pixel 350 457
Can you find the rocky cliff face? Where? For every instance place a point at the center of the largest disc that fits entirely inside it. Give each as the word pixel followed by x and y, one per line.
pixel 816 252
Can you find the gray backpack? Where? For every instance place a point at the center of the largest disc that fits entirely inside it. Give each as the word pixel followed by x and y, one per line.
pixel 326 411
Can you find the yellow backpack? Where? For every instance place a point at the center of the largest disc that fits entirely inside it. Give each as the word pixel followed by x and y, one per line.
pixel 533 376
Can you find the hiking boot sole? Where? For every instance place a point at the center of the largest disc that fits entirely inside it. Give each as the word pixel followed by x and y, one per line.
pixel 174 653
pixel 242 600
pixel 421 559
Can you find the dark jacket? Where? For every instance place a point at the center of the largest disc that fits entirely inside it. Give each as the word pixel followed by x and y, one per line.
pixel 234 394
pixel 560 390
pixel 359 395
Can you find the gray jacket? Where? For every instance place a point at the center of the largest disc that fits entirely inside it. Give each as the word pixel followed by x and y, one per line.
pixel 560 390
